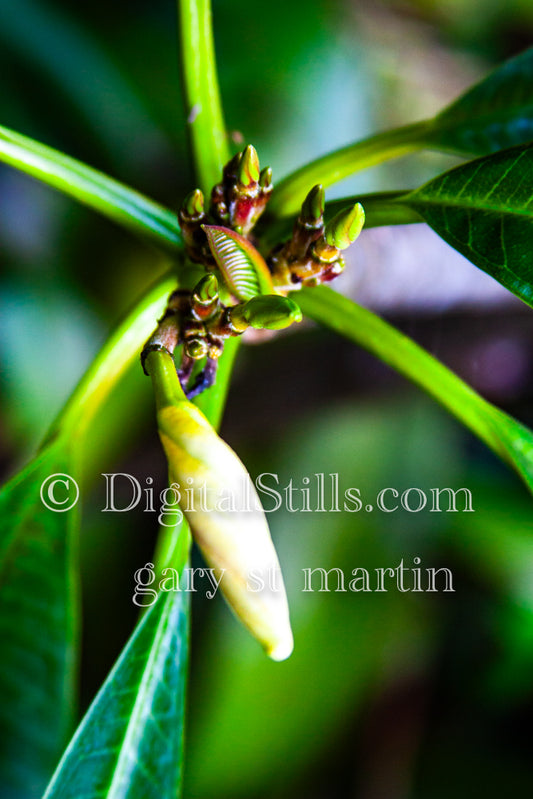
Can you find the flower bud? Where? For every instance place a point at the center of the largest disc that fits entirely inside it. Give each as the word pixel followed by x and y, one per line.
pixel 265 312
pixel 225 516
pixel 248 172
pixel 312 211
pixel 345 227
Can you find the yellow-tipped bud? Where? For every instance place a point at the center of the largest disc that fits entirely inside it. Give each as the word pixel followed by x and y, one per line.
pixel 249 171
pixel 345 227
pixel 227 522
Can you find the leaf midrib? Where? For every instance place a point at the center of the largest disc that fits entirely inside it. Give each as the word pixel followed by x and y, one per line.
pixel 414 199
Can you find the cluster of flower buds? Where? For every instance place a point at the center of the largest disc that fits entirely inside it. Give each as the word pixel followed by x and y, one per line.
pixel 237 202
pixel 199 321
pixel 251 293
pixel 313 255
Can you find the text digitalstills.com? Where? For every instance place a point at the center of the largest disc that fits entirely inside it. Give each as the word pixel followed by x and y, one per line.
pixel 319 493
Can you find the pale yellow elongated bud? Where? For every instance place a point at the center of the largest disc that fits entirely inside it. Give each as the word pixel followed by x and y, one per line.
pixel 225 516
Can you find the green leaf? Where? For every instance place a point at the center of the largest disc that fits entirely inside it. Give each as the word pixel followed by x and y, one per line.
pixel 494 114
pixel 485 210
pixel 244 269
pixel 38 627
pixel 91 187
pixel 130 742
pixel 510 440
pixel 203 106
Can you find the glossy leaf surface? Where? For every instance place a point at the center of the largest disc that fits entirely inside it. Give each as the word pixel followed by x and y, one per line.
pixel 494 114
pixel 485 210
pixel 38 627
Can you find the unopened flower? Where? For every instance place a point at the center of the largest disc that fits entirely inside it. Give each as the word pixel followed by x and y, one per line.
pixel 233 536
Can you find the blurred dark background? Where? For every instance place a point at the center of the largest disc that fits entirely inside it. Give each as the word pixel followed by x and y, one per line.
pixel 388 695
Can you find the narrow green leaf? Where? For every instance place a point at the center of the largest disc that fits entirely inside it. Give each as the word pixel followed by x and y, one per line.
pixel 129 745
pixel 209 142
pixel 38 626
pixel 494 114
pixel 485 210
pixel 510 440
pixel 91 187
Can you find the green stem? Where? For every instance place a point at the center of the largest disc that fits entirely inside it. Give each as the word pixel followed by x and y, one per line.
pixel 91 187
pixel 381 209
pixel 162 370
pixel 173 544
pixel 291 192
pixel 510 440
pixel 202 100
pixel 117 354
pixel 209 144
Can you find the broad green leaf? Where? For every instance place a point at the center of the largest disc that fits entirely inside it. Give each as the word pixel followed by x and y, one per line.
pixel 485 210
pixel 38 627
pixel 510 440
pixel 494 114
pixel 130 742
pixel 242 266
pixel 91 187
pixel 203 106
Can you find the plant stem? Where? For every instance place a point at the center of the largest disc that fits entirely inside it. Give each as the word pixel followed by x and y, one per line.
pixel 381 209
pixel 120 350
pixel 92 188
pixel 202 100
pixel 290 193
pixel 384 208
pixel 209 145
pixel 510 440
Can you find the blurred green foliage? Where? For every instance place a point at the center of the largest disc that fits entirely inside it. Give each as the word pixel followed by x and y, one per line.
pixel 387 694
